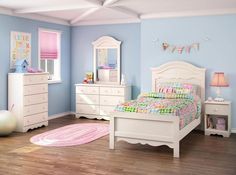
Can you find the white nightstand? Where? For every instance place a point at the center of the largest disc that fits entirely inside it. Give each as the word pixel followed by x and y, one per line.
pixel 218 118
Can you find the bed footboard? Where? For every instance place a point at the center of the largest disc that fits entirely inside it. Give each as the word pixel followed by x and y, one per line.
pixel 145 129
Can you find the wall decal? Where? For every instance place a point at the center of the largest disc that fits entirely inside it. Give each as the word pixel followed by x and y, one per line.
pixel 20 47
pixel 166 46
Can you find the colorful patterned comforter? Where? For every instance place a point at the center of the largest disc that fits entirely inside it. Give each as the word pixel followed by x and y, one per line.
pixel 187 109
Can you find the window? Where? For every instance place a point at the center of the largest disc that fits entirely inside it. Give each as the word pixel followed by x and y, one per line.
pixel 50 53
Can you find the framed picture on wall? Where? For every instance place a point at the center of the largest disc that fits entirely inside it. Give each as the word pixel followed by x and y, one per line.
pixel 20 47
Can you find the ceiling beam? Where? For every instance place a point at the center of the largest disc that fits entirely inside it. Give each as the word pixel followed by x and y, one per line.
pixel 109 2
pixel 58 8
pixel 84 15
pixel 95 2
pixel 126 11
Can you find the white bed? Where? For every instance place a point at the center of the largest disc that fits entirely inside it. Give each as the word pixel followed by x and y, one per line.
pixel 154 129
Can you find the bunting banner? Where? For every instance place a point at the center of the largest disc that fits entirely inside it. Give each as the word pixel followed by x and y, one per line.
pixel 180 49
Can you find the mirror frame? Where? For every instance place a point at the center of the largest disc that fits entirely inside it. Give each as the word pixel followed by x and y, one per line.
pixel 106 42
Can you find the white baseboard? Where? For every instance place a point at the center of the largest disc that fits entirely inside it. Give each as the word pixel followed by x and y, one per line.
pixel 63 114
pixel 233 130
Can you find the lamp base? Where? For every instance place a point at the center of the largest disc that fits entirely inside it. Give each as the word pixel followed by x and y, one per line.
pixel 218 99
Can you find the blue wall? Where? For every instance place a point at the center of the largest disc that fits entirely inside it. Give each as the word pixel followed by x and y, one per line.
pixel 59 94
pixel 82 52
pixel 139 49
pixel 217 54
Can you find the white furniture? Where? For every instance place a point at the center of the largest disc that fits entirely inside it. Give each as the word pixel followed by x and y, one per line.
pixel 153 129
pixel 28 99
pixel 213 111
pixel 106 51
pixel 97 100
pixel 107 75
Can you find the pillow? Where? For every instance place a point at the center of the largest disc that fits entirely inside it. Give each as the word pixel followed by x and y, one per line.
pixel 167 95
pixel 176 88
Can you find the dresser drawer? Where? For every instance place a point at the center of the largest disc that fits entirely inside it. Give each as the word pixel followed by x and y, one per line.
pixel 35 89
pixel 34 119
pixel 111 100
pixel 87 90
pixel 112 91
pixel 34 109
pixel 35 79
pixel 87 109
pixel 87 99
pixel 35 99
pixel 105 110
pixel 217 109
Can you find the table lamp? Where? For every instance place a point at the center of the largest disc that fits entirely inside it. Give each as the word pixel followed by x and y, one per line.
pixel 219 81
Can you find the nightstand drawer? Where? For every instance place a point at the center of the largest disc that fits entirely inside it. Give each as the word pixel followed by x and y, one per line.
pixel 217 109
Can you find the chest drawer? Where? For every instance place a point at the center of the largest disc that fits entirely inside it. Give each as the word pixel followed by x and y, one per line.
pixel 35 99
pixel 112 91
pixel 87 109
pixel 217 109
pixel 35 89
pixel 87 90
pixel 106 110
pixel 34 109
pixel 37 118
pixel 111 100
pixel 87 99
pixel 35 79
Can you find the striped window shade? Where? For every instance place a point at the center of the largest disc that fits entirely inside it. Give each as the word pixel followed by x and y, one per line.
pixel 48 45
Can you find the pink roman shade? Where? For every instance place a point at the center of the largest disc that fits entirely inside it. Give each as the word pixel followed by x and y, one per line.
pixel 48 45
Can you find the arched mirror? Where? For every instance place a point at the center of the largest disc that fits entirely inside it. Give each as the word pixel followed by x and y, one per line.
pixel 106 52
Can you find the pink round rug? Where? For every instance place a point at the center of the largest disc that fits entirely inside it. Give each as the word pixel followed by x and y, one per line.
pixel 75 134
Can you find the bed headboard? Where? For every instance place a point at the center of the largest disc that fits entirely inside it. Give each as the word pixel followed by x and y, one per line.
pixel 180 71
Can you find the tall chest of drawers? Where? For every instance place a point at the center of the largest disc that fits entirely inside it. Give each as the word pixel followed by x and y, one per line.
pixel 28 98
pixel 97 101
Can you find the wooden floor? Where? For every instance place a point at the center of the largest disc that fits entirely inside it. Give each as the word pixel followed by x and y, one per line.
pixel 199 155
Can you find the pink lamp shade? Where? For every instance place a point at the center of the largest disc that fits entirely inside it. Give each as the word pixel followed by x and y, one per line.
pixel 219 80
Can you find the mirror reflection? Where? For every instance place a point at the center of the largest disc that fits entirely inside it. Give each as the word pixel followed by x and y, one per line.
pixel 107 64
pixel 106 60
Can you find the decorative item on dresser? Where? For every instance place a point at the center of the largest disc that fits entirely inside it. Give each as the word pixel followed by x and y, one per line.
pixel 218 118
pixel 28 92
pixel 98 100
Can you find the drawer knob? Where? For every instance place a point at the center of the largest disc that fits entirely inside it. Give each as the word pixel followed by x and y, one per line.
pixel 215 109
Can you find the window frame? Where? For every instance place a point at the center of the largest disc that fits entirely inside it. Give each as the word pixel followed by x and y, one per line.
pixel 57 62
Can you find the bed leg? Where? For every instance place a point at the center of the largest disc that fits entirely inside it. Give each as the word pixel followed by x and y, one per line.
pixel 176 150
pixel 112 143
pixel 112 135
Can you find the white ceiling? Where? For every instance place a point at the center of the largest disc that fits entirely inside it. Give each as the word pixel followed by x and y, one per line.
pixel 79 12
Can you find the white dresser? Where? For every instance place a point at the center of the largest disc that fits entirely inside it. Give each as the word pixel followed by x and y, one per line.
pixel 98 100
pixel 28 98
